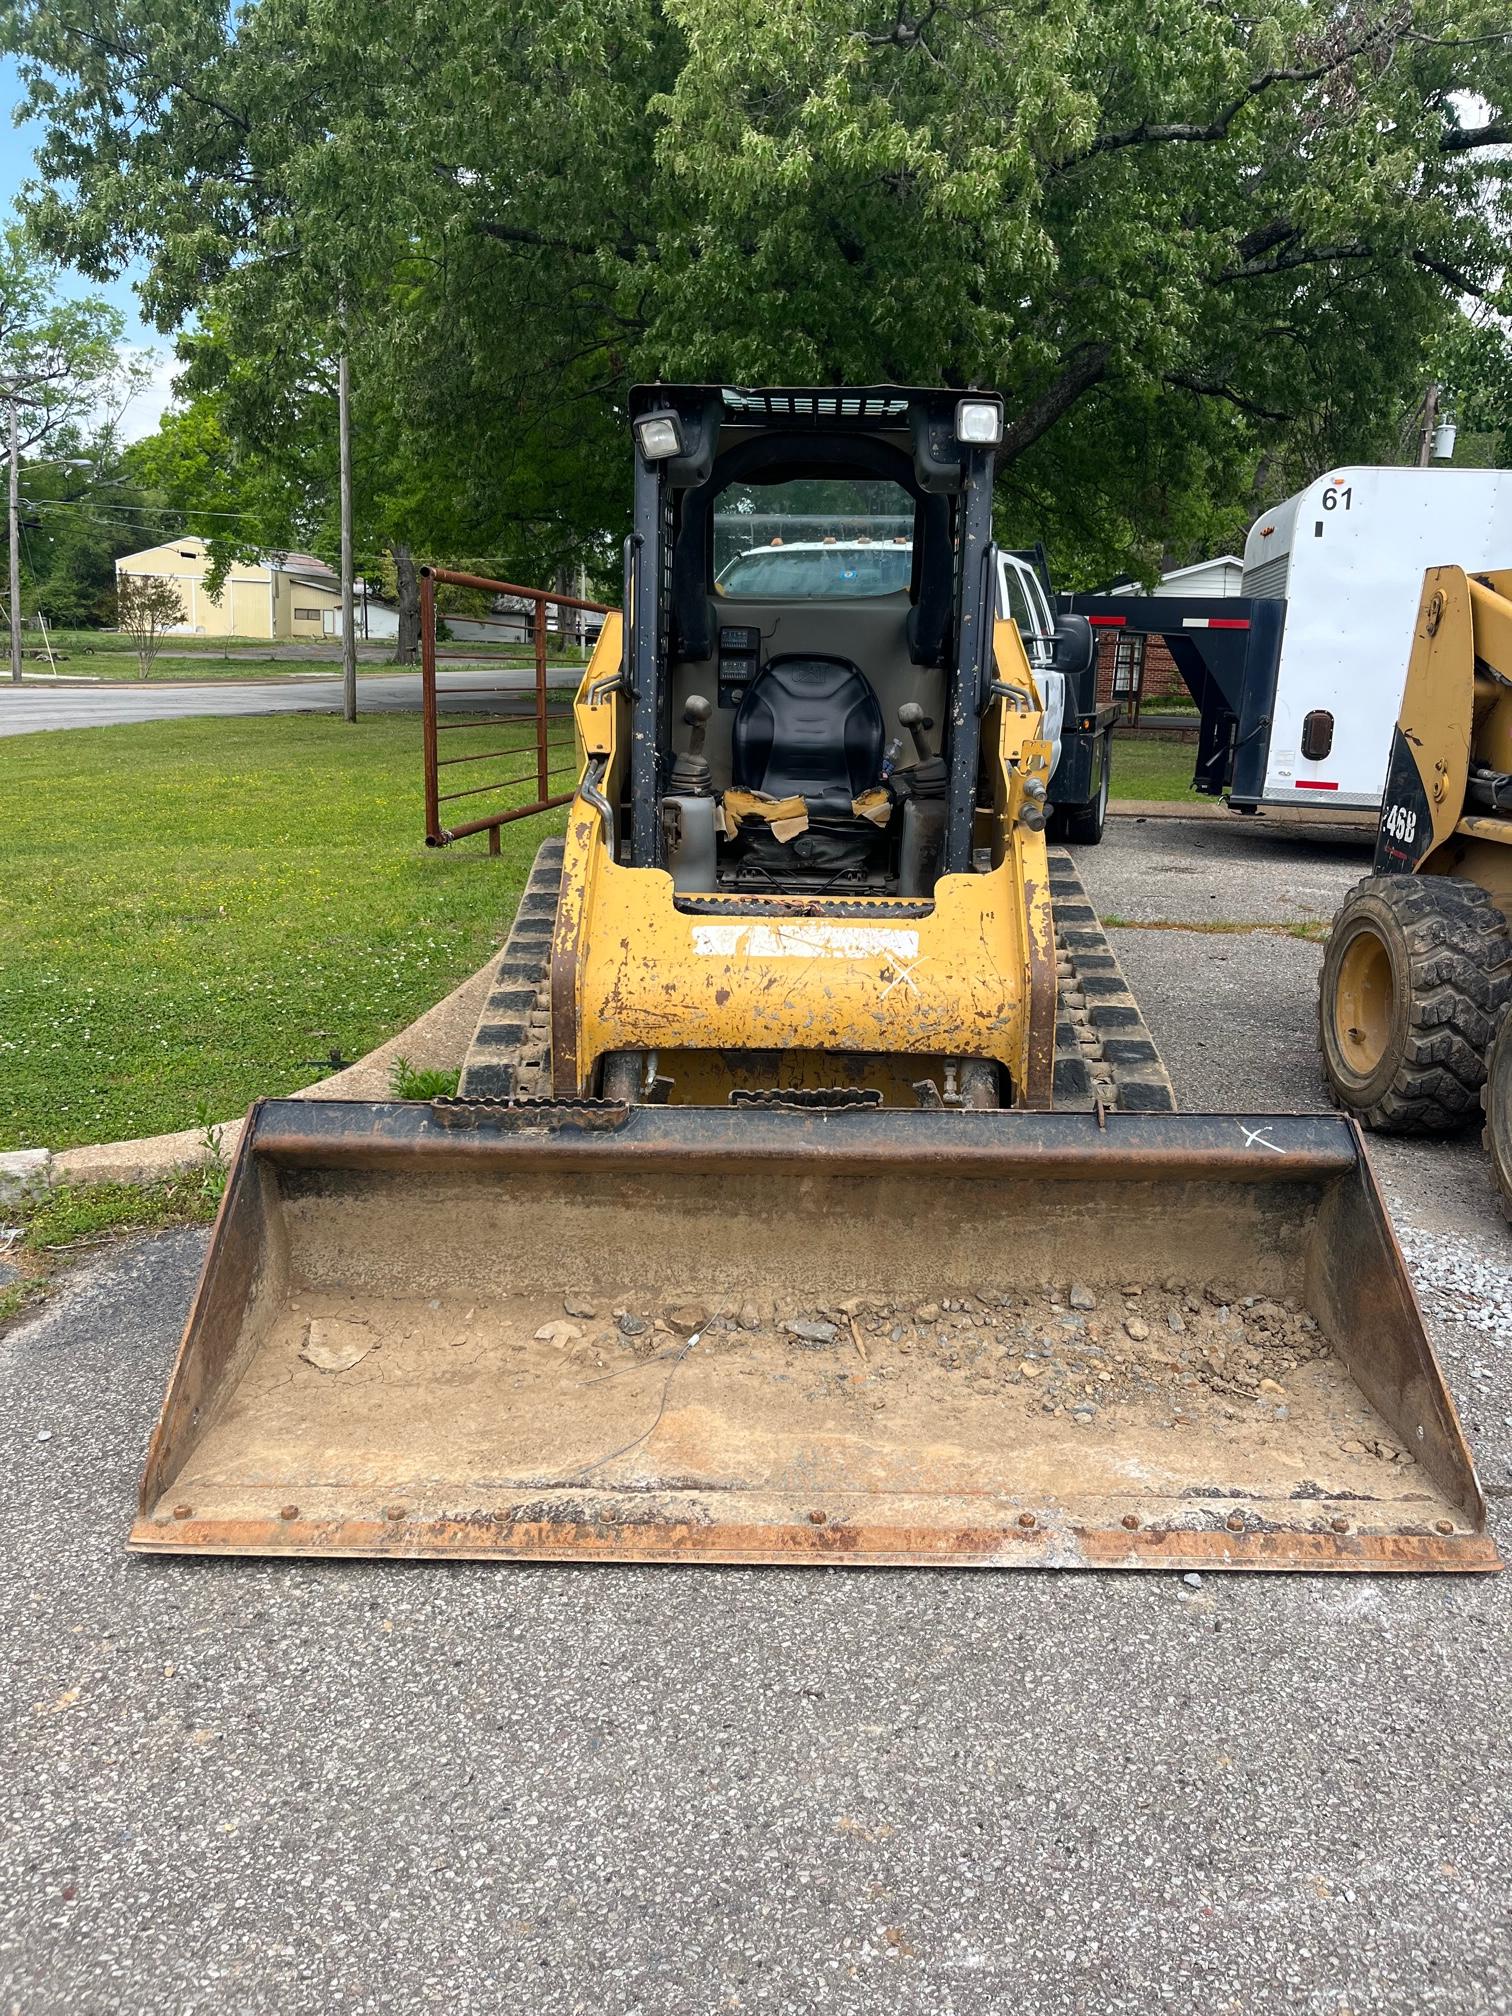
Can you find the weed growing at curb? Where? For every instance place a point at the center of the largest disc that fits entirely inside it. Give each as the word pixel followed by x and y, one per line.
pixel 61 1224
pixel 83 1214
pixel 405 1082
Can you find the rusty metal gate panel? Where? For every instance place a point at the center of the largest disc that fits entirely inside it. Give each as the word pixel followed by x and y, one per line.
pixel 513 720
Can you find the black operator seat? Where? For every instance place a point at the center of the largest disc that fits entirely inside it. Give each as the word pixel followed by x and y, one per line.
pixel 809 728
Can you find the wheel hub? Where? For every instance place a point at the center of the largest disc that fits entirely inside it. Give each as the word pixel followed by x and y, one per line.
pixel 1364 1003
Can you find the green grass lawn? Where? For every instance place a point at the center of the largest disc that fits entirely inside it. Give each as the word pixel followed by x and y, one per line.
pixel 1152 766
pixel 119 669
pixel 196 912
pixel 105 643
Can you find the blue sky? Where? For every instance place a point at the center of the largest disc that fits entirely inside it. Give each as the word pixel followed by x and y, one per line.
pixel 17 145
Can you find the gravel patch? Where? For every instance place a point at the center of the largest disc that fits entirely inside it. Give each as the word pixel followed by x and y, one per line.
pixel 1457 1284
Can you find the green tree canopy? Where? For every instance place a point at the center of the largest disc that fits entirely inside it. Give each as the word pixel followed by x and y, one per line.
pixel 1182 240
pixel 59 362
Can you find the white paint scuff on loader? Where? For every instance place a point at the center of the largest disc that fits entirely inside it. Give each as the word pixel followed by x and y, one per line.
pixel 802 941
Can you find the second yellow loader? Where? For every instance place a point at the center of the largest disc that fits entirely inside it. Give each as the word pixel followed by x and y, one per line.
pixel 1417 977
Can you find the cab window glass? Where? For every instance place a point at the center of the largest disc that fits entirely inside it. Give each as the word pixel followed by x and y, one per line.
pixel 1025 610
pixel 821 540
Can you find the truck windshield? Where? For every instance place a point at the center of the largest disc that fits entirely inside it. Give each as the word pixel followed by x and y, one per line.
pixel 819 572
pixel 818 539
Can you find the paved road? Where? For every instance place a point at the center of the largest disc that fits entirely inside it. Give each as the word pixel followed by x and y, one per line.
pixel 28 709
pixel 238 1787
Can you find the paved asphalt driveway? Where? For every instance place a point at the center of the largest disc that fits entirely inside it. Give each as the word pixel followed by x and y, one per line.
pixel 242 1787
pixel 25 710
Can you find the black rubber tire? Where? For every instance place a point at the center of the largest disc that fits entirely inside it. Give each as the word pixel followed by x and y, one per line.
pixel 1082 825
pixel 1443 955
pixel 1496 1103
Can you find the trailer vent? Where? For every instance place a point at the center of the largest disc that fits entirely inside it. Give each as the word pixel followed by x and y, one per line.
pixel 1270 577
pixel 1317 734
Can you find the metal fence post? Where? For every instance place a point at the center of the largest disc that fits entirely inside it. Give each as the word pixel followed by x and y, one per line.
pixel 548 780
pixel 428 703
pixel 540 681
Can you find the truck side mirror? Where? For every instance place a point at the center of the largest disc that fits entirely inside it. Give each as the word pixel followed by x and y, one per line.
pixel 1074 648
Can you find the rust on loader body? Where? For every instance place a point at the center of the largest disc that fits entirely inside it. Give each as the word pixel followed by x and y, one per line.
pixel 857 1361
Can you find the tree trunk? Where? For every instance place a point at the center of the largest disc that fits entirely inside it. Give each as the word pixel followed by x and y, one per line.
pixel 565 617
pixel 407 646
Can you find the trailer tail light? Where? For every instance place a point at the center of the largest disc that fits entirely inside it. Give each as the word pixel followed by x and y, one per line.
pixel 1314 784
pixel 1317 734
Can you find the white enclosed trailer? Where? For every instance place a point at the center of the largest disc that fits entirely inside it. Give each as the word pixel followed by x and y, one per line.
pixel 1347 555
pixel 1299 677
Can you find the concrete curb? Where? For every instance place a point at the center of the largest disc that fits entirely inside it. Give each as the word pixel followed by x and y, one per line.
pixel 434 1041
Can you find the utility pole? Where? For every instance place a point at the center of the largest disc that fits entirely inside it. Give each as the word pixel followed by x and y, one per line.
pixel 348 610
pixel 15 543
pixel 1430 415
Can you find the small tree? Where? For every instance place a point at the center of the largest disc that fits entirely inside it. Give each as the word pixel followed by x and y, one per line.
pixel 146 606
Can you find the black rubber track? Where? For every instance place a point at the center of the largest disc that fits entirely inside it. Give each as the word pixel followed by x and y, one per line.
pixel 510 1055
pixel 1451 958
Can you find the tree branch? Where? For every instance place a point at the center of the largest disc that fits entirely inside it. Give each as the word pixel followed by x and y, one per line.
pixel 1266 237
pixel 105 45
pixel 904 33
pixel 1461 139
pixel 1284 262
pixel 628 249
pixel 1147 133
pixel 1287 261
pixel 1080 371
pixel 1204 389
pixel 1452 274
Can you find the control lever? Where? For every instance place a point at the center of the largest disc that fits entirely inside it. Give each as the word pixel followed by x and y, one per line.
pixel 912 717
pixel 927 777
pixel 691 775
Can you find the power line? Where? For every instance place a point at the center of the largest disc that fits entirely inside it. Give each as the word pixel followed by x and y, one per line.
pixel 136 510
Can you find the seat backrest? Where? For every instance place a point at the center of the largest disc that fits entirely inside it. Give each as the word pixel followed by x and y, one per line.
pixel 808 728
pixel 867 632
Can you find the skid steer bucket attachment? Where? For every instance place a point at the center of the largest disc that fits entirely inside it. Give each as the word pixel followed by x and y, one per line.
pixel 587 1332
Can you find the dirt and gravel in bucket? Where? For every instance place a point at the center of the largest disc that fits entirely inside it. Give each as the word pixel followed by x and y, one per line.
pixel 1142 1397
pixel 1066 1351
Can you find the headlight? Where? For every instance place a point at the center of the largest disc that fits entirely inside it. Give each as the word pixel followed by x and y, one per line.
pixel 979 422
pixel 660 436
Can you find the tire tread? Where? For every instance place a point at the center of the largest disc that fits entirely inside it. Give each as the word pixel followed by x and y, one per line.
pixel 1459 955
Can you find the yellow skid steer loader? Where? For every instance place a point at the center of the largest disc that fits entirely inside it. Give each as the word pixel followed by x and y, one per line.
pixel 764 1227
pixel 1418 971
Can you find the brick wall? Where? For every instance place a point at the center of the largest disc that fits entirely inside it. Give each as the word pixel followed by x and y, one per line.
pixel 1161 680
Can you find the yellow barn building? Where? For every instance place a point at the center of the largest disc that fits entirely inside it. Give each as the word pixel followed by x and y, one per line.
pixel 278 596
